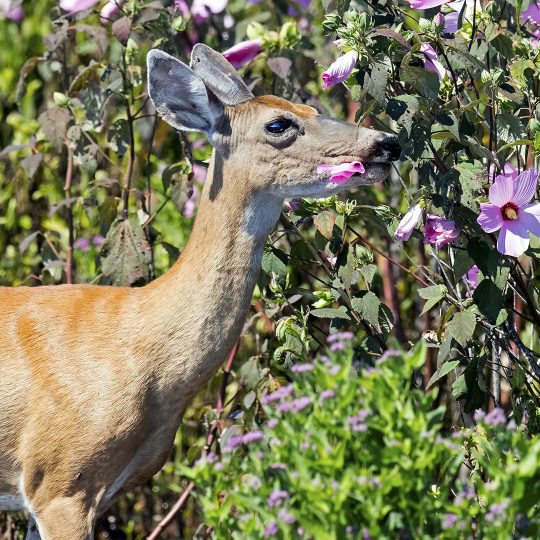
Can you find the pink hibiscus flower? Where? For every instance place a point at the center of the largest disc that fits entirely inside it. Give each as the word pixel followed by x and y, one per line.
pixel 509 210
pixel 408 222
pixel 243 52
pixel 340 70
pixel 439 231
pixel 426 4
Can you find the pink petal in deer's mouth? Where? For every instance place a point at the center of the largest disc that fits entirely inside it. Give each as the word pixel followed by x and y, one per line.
pixel 342 172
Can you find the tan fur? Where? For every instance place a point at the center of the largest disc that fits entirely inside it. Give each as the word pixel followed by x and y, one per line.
pixel 94 379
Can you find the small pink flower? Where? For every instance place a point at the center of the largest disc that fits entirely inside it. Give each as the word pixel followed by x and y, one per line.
pixel 426 4
pixel 110 10
pixel 242 53
pixel 340 70
pixel 408 222
pixel 342 172
pixel 432 61
pixel 509 210
pixel 439 231
pixel 73 6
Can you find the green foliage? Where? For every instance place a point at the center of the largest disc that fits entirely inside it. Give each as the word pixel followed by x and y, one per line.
pixel 347 452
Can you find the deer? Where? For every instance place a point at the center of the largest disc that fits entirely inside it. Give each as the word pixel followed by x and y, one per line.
pixel 94 379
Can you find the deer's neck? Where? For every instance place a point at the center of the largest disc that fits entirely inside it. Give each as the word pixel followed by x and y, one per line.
pixel 198 307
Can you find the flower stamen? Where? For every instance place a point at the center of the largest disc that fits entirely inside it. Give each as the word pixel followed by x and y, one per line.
pixel 509 212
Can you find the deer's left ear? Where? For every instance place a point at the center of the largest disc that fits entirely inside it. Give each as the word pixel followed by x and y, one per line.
pixel 180 95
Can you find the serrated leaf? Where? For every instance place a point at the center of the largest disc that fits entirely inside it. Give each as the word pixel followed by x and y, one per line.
pixel 274 261
pixel 461 326
pixel 367 307
pixel 126 256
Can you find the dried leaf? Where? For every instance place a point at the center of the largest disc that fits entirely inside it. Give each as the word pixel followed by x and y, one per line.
pixel 125 256
pixel 121 29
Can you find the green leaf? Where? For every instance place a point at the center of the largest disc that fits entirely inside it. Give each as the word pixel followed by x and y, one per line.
pixel 461 326
pixel 126 256
pixel 424 81
pixel 446 368
pixel 402 109
pixel 330 313
pixel 367 307
pixel 489 299
pixel 433 294
pixel 471 384
pixel 118 136
pixel 341 6
pixel 274 261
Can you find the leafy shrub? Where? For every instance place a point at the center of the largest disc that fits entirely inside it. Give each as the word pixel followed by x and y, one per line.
pixel 350 451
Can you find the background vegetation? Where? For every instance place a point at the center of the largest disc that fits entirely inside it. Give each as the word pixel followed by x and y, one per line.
pixel 349 408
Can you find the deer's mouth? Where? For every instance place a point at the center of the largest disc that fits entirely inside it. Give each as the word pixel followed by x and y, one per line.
pixel 375 171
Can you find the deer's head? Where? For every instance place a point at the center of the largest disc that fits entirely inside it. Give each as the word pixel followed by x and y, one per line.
pixel 274 145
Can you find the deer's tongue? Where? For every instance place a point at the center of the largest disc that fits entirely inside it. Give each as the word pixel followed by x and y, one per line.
pixel 342 172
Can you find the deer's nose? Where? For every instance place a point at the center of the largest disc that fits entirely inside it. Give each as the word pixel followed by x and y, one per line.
pixel 389 147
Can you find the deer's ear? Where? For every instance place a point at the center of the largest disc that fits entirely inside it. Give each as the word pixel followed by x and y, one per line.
pixel 219 75
pixel 180 95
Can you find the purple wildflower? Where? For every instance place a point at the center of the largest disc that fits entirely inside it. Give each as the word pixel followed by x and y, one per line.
pixel 279 394
pixel 272 423
pixel 286 517
pixel 337 346
pixel 496 417
pixel 327 394
pixel 233 442
pixel 252 437
pixel 302 368
pixel 340 336
pixel 449 521
pixel 285 407
pixel 277 498
pixel 300 403
pixel 479 415
pixel 82 243
pixel 98 240
pixel 271 530
pixel 279 466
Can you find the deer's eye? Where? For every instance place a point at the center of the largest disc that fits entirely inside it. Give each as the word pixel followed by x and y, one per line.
pixel 279 126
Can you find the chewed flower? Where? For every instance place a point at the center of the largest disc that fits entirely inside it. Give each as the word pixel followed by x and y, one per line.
pixel 342 172
pixel 439 231
pixel 409 222
pixel 509 210
pixel 340 70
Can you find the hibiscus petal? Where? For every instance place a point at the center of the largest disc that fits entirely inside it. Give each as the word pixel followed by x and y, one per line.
pixel 426 4
pixel 530 217
pixel 243 52
pixel 343 171
pixel 501 191
pixel 490 218
pixel 408 222
pixel 513 239
pixel 340 70
pixel 525 187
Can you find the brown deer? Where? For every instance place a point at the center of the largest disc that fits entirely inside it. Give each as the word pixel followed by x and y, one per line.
pixel 94 379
